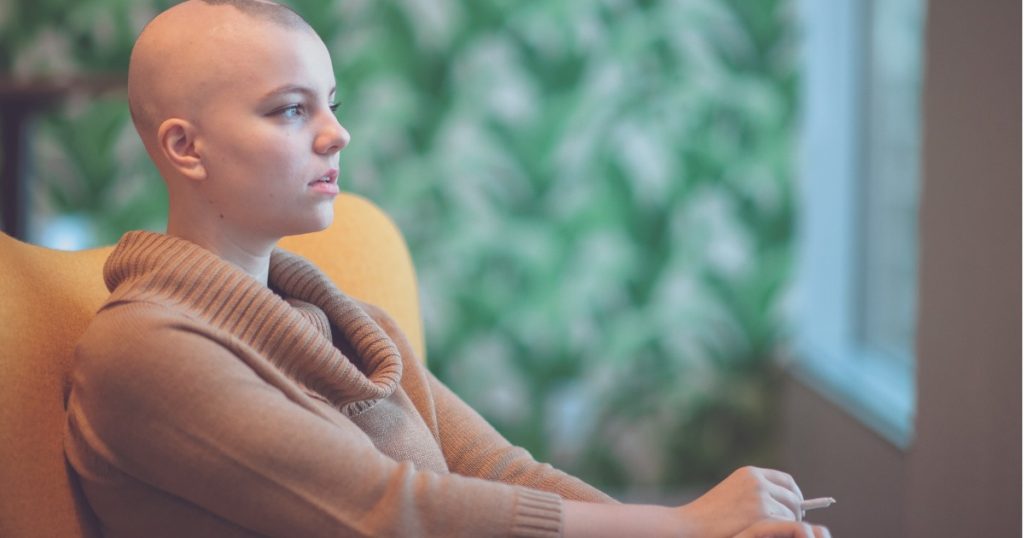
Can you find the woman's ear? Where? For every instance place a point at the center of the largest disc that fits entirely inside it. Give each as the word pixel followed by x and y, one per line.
pixel 177 140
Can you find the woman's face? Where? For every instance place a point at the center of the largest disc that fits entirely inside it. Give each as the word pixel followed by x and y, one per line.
pixel 267 135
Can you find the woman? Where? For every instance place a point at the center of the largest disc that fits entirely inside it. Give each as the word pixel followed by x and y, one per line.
pixel 227 388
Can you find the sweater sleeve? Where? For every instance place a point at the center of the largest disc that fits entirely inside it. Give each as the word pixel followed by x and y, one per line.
pixel 472 447
pixel 184 410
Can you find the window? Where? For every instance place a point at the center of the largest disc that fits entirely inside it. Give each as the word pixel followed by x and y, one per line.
pixel 856 268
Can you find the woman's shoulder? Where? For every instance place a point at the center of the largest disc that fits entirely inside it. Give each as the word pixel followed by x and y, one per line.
pixel 126 321
pixel 139 334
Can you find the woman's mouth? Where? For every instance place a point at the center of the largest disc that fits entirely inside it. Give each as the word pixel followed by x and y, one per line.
pixel 326 183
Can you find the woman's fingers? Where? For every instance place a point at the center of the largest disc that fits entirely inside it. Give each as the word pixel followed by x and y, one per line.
pixel 773 509
pixel 787 499
pixel 779 487
pixel 783 479
pixel 821 532
pixel 769 528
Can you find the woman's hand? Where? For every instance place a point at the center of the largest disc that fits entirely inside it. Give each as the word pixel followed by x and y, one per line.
pixel 750 503
pixel 747 496
pixel 771 528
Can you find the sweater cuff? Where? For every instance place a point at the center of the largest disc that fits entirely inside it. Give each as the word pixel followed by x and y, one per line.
pixel 538 514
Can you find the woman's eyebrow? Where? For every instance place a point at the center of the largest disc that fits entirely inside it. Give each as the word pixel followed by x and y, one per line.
pixel 295 88
pixel 287 88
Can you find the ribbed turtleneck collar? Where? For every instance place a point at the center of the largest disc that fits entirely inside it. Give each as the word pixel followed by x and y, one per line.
pixel 152 267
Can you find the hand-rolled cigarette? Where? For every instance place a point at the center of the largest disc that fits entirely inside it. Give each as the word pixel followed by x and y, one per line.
pixel 814 504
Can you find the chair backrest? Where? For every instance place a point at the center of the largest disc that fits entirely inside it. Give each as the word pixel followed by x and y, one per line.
pixel 47 298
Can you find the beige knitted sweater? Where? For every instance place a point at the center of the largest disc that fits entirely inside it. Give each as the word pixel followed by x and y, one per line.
pixel 204 403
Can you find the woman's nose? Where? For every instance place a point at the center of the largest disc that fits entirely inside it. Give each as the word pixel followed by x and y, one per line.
pixel 332 138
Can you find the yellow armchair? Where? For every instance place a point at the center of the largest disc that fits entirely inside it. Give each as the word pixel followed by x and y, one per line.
pixel 47 298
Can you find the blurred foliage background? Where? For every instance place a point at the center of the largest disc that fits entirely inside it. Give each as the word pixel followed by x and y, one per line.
pixel 597 195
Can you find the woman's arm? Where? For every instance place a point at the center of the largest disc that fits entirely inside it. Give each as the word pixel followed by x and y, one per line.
pixel 472 447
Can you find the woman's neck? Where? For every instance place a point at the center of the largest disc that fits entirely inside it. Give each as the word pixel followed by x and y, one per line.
pixel 250 254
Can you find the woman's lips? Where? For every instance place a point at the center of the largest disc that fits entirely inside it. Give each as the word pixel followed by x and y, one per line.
pixel 327 183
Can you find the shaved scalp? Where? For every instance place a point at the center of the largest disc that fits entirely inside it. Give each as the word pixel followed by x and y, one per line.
pixel 266 10
pixel 179 54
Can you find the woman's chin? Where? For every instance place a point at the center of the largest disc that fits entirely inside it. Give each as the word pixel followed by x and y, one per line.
pixel 319 222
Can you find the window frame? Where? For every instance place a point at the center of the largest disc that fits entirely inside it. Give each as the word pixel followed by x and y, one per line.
pixel 876 388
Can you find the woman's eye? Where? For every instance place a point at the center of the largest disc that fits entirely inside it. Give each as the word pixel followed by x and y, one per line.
pixel 334 106
pixel 291 111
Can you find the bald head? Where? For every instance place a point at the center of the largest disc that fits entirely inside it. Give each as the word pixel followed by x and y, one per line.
pixel 234 101
pixel 266 10
pixel 188 51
